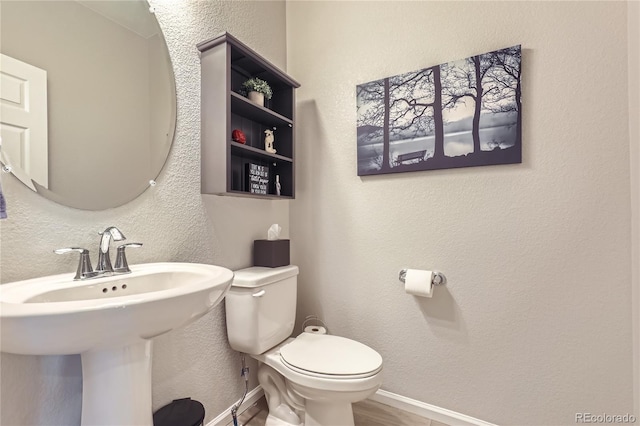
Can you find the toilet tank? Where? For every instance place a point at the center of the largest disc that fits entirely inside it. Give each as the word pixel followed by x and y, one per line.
pixel 261 307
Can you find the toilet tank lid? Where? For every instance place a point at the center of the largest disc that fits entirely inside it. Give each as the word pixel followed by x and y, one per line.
pixel 257 276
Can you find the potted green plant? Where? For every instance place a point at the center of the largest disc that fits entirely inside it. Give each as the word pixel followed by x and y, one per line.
pixel 256 90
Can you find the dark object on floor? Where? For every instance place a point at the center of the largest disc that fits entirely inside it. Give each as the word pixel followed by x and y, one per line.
pixel 181 412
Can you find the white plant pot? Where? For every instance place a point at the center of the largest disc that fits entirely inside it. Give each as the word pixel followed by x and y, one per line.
pixel 257 97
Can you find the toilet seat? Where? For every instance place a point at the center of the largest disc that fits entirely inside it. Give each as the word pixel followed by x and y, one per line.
pixel 327 356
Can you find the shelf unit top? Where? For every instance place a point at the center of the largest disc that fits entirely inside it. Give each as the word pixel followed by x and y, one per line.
pixel 246 51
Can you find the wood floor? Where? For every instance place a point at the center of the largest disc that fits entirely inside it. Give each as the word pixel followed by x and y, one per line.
pixel 365 413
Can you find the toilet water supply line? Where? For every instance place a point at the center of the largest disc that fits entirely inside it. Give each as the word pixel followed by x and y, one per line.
pixel 244 373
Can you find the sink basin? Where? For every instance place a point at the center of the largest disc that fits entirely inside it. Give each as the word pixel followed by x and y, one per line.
pixel 56 315
pixel 110 322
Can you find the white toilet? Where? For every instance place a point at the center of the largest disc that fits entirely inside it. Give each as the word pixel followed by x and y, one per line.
pixel 309 380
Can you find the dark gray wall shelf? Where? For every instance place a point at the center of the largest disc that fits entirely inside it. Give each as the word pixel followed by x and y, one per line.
pixel 226 63
pixel 259 152
pixel 243 106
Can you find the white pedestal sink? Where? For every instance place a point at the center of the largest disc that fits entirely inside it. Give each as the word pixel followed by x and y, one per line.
pixel 110 322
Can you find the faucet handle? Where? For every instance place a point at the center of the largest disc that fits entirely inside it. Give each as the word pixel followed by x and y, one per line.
pixel 84 264
pixel 121 266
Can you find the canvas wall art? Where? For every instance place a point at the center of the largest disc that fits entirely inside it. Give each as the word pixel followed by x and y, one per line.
pixel 460 114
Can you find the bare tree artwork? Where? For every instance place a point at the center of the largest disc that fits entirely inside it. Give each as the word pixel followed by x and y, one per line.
pixel 459 114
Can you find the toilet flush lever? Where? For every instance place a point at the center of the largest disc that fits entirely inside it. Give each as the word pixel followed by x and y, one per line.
pixel 259 294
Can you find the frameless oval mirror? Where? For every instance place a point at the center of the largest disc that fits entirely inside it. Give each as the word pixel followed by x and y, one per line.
pixel 88 101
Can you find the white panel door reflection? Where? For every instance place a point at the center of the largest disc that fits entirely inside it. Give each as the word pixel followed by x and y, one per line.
pixel 23 121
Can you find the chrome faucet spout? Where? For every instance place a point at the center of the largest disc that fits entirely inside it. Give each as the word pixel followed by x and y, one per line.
pixel 107 235
pixel 104 262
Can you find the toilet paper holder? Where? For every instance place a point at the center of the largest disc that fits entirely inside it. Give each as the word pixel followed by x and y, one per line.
pixel 438 277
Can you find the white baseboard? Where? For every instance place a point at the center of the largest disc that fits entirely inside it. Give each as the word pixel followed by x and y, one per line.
pixel 416 407
pixel 225 417
pixel 426 410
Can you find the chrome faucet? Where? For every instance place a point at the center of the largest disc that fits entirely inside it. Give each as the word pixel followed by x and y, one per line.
pixel 104 262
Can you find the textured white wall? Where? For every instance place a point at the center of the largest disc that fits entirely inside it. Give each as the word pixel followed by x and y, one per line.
pixel 174 222
pixel 535 323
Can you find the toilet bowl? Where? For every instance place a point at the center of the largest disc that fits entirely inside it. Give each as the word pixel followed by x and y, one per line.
pixel 308 380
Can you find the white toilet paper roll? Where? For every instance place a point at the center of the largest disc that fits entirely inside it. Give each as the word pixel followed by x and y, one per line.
pixel 419 282
pixel 315 329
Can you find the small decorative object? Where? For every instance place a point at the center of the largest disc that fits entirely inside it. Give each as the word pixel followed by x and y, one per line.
pixel 268 141
pixel 256 90
pixel 238 136
pixel 278 186
pixel 257 178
